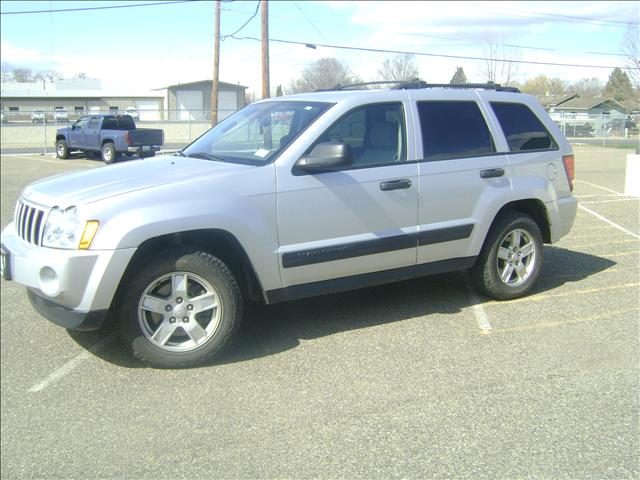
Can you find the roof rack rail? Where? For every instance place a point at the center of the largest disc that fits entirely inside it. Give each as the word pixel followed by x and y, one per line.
pixel 486 86
pixel 417 83
pixel 397 84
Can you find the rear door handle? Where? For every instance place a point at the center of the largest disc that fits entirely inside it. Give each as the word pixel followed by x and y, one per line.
pixel 395 184
pixel 492 173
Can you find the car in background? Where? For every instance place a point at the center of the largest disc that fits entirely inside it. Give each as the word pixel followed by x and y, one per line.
pixel 37 116
pixel 3 119
pixel 133 113
pixel 60 115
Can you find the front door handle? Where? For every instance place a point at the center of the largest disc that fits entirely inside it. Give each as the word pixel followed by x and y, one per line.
pixel 492 173
pixel 395 184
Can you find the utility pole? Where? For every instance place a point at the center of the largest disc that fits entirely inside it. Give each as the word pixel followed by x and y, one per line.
pixel 216 67
pixel 265 51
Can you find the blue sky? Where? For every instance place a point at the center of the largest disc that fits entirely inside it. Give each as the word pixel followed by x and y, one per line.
pixel 154 46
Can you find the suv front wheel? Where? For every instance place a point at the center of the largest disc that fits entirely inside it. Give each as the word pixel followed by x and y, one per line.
pixel 511 258
pixel 180 309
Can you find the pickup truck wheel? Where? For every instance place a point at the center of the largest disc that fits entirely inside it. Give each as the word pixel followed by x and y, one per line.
pixel 180 309
pixel 62 151
pixel 109 153
pixel 511 259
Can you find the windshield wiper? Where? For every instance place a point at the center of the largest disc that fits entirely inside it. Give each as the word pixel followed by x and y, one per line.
pixel 206 156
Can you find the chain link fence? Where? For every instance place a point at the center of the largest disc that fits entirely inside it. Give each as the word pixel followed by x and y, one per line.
pixel 34 132
pixel 603 129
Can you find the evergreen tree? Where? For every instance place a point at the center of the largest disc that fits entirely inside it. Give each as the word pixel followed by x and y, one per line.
pixel 459 77
pixel 619 85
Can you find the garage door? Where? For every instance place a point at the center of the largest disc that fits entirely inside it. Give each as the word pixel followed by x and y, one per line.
pixel 190 104
pixel 227 104
pixel 148 110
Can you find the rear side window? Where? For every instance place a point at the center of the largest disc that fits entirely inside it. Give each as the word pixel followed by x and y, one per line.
pixel 453 130
pixel 523 130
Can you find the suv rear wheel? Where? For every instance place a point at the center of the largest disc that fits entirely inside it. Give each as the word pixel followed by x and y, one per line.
pixel 511 258
pixel 181 309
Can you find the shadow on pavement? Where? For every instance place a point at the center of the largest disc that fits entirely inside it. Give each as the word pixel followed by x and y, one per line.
pixel 272 329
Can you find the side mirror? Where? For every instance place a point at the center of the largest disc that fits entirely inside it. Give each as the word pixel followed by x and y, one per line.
pixel 326 156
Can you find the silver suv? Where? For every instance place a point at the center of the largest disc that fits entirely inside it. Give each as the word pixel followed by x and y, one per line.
pixel 293 197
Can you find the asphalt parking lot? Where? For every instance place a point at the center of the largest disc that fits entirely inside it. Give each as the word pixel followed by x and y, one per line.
pixel 419 379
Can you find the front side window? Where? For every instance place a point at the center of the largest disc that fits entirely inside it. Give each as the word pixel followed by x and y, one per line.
pixel 376 134
pixel 523 130
pixel 256 134
pixel 453 130
pixel 82 123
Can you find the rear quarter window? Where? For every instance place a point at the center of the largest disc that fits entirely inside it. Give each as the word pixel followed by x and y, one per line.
pixel 522 128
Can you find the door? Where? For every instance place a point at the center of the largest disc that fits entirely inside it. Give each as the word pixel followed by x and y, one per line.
pixel 189 104
pixel 148 110
pixel 356 220
pixel 92 134
pixel 227 104
pixel 463 180
pixel 76 135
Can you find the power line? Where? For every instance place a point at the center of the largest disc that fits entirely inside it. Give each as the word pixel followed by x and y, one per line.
pixel 83 9
pixel 463 57
pixel 439 37
pixel 224 37
pixel 558 17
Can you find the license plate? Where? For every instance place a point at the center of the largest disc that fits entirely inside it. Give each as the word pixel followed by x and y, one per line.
pixel 146 148
pixel 5 264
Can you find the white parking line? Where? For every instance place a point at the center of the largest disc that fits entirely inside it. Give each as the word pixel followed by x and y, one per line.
pixel 598 186
pixel 480 314
pixel 626 199
pixel 604 219
pixel 60 162
pixel 70 365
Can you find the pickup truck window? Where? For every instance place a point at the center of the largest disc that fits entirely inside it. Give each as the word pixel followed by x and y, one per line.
pixel 256 134
pixel 120 122
pixel 94 123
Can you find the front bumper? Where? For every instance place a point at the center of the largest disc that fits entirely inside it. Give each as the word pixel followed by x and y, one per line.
pixel 67 317
pixel 82 281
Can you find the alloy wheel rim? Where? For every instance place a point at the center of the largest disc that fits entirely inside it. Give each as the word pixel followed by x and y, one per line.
pixel 179 311
pixel 517 257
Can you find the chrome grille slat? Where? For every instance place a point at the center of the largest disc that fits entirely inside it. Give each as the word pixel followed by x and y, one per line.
pixel 29 222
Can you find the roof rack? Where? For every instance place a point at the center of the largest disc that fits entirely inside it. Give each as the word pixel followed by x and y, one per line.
pixel 485 86
pixel 417 83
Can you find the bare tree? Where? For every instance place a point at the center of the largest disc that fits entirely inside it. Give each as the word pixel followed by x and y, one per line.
pixel 543 86
pixel 399 68
pixel 501 61
pixel 22 75
pixel 323 73
pixel 587 87
pixel 631 50
pixel 49 75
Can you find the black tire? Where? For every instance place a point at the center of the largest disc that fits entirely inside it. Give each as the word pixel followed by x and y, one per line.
pixel 62 151
pixel 109 153
pixel 511 258
pixel 192 337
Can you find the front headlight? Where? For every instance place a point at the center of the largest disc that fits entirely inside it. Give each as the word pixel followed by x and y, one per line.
pixel 64 229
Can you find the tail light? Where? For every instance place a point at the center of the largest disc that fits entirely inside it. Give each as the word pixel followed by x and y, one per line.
pixel 128 140
pixel 567 161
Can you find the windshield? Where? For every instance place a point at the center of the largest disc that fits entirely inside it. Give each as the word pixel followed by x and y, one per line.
pixel 256 134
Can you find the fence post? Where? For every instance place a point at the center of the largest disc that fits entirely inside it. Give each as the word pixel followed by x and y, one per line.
pixel 603 127
pixel 44 122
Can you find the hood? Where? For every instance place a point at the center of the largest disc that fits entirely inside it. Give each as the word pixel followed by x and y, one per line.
pixel 79 188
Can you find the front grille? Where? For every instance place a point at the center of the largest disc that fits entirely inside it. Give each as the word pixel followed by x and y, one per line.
pixel 29 223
